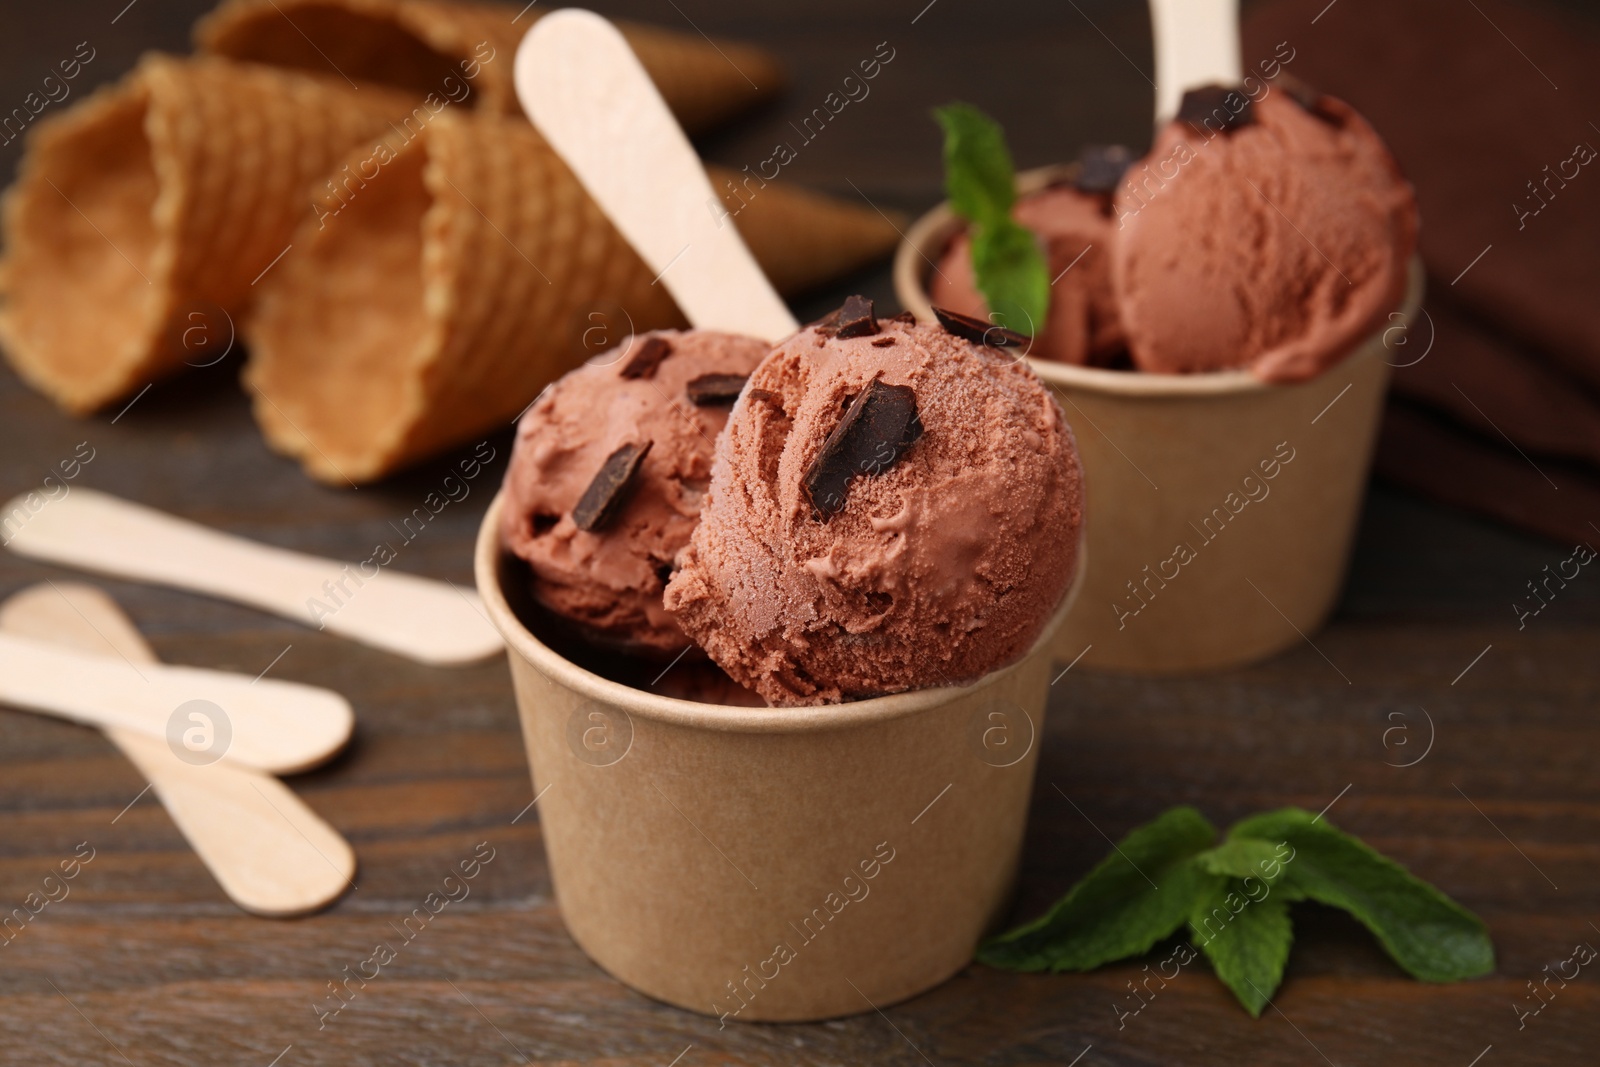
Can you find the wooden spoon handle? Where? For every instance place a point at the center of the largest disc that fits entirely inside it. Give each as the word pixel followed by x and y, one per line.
pixel 401 613
pixel 270 725
pixel 586 91
pixel 1197 43
pixel 268 851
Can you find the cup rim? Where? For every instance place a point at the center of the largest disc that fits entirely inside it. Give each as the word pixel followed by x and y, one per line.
pixel 722 717
pixel 925 240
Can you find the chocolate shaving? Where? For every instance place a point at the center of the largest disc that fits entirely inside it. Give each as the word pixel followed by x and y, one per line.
pixel 646 356
pixel 610 488
pixel 977 331
pixel 709 389
pixel 1101 167
pixel 878 428
pixel 1228 109
pixel 856 318
pixel 882 342
pixel 905 317
pixel 828 323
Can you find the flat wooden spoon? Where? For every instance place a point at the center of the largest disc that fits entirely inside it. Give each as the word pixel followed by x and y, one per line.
pixel 586 91
pixel 270 853
pixel 274 726
pixel 415 617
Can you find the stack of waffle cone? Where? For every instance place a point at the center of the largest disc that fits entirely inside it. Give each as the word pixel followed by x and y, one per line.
pixel 417 44
pixel 142 217
pixel 447 280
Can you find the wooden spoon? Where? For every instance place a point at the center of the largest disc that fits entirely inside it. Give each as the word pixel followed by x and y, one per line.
pixel 274 726
pixel 425 620
pixel 1197 43
pixel 586 91
pixel 270 853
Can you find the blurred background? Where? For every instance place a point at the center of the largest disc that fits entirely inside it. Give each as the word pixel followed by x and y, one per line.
pixel 1483 103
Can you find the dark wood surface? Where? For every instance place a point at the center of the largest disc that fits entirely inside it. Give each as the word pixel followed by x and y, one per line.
pixel 147 963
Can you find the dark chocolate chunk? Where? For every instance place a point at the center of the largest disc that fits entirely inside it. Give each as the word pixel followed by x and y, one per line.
pixel 711 389
pixel 1215 109
pixel 856 318
pixel 768 397
pixel 977 331
pixel 610 488
pixel 1100 168
pixel 882 342
pixel 905 317
pixel 646 356
pixel 878 428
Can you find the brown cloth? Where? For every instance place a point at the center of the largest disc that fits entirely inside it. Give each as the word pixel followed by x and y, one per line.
pixel 1559 500
pixel 1488 107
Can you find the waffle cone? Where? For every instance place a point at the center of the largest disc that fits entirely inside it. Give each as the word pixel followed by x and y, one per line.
pixel 427 306
pixel 434 303
pixel 142 216
pixel 417 45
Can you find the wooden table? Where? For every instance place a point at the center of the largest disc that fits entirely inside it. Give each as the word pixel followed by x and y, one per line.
pixel 147 963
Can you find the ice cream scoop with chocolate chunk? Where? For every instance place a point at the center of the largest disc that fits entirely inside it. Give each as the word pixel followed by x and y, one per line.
pixel 1075 224
pixel 893 507
pixel 608 474
pixel 1271 235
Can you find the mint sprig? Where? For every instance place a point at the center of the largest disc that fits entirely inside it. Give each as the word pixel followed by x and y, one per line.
pixel 1007 262
pixel 1234 898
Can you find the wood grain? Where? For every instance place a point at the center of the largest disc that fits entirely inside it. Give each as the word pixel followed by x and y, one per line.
pixel 155 960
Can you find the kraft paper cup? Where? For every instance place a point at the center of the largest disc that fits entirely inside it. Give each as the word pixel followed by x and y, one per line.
pixel 777 864
pixel 1210 549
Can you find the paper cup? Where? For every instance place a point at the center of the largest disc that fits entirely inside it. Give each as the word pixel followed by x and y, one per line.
pixel 778 864
pixel 1210 549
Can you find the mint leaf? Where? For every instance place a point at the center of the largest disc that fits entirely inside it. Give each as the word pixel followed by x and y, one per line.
pixel 1115 912
pixel 1007 262
pixel 1011 274
pixel 978 176
pixel 1428 934
pixel 1246 935
pixel 1235 898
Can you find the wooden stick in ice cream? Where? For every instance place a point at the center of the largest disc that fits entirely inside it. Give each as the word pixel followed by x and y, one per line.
pixel 268 851
pixel 1196 43
pixel 587 92
pixel 659 402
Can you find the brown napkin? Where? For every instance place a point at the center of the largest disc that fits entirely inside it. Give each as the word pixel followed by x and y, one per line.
pixel 1488 107
pixel 1487 383
pixel 1559 500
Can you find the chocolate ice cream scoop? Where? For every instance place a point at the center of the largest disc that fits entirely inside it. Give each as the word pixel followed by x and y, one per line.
pixel 1076 226
pixel 608 474
pixel 1270 234
pixel 892 507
